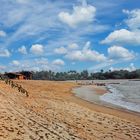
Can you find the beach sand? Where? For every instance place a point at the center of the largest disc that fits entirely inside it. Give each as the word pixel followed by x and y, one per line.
pixel 52 112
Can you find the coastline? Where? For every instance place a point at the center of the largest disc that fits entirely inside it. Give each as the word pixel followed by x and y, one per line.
pixel 53 112
pixel 105 108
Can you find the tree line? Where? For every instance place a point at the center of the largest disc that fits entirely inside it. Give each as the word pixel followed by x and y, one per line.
pixel 85 75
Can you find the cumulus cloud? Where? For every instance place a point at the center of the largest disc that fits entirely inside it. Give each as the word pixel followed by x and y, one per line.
pixel 74 53
pixel 36 23
pixel 65 50
pixel 116 55
pixel 37 64
pixel 37 49
pixel 85 54
pixel 4 53
pixel 123 36
pixel 58 62
pixel 22 50
pixel 34 64
pixel 61 50
pixel 119 52
pixel 2 33
pixel 126 36
pixel 133 20
pixel 81 14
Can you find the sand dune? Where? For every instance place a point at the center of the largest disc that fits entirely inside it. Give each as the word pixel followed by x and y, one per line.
pixel 51 112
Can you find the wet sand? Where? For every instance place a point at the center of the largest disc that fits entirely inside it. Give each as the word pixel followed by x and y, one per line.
pixel 90 93
pixel 93 94
pixel 52 112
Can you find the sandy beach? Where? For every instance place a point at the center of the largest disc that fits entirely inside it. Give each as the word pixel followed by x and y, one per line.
pixel 52 112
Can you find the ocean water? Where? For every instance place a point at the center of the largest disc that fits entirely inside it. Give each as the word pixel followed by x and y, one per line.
pixel 125 95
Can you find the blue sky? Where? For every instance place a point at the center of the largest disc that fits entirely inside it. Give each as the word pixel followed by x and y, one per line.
pixel 62 35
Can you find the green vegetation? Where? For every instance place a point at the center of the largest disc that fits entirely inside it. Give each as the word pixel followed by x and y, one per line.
pixel 85 75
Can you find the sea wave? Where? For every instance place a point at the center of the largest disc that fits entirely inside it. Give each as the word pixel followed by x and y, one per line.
pixel 117 97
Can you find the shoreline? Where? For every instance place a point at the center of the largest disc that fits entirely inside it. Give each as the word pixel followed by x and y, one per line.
pixel 53 112
pixel 102 108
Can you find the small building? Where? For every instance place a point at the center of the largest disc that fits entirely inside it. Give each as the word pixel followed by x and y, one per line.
pixel 28 75
pixel 24 75
pixel 16 76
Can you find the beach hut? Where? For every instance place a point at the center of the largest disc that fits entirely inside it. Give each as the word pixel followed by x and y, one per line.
pixel 14 75
pixel 28 75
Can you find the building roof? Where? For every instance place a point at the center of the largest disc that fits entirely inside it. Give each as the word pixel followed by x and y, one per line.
pixel 14 73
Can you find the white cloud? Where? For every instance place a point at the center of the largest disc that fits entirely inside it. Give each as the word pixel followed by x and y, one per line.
pixel 73 46
pixel 37 64
pixel 22 50
pixel 85 54
pixel 126 36
pixel 102 65
pixel 29 20
pixel 2 33
pixel 133 20
pixel 32 21
pixel 58 62
pixel 131 67
pixel 34 64
pixel 14 15
pixel 61 50
pixel 119 52
pixel 87 45
pixel 42 61
pixel 4 53
pixel 74 53
pixel 116 55
pixel 123 36
pixel 15 63
pixel 65 50
pixel 80 14
pixel 37 49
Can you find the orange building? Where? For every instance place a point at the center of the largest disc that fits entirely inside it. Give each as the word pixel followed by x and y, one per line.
pixel 17 76
pixel 24 75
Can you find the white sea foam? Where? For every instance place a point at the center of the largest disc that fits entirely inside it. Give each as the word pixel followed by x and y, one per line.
pixel 126 95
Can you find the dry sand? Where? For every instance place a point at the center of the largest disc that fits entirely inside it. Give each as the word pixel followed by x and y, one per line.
pixel 51 112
